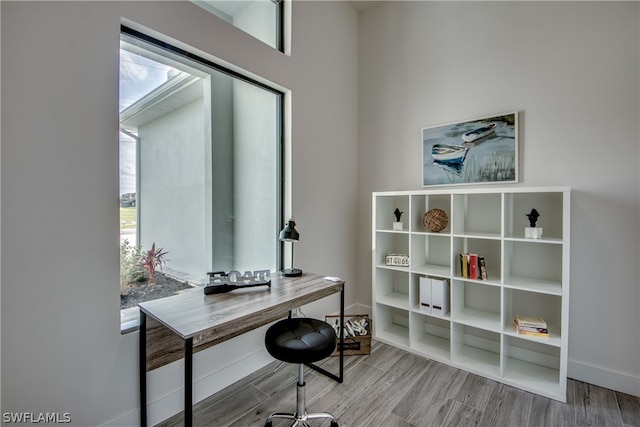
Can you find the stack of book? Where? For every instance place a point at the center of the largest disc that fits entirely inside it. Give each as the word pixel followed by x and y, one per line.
pixel 472 266
pixel 532 326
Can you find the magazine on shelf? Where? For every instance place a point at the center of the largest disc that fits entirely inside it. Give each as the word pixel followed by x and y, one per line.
pixel 534 322
pixel 530 329
pixel 532 334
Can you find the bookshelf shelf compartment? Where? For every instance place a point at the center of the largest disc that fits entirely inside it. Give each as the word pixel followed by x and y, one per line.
pixel 477 214
pixel 527 277
pixel 476 305
pixel 415 295
pixel 476 349
pixel 421 203
pixel 385 208
pixel 431 335
pixel 549 205
pixel 534 304
pixel 430 254
pixel 534 366
pixel 390 243
pixel 392 325
pixel 534 260
pixel 488 248
pixel 393 287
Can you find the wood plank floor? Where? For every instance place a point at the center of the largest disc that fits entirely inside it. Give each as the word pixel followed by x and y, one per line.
pixel 394 388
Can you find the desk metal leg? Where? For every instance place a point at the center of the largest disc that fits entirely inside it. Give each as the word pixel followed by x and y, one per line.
pixel 339 378
pixel 341 335
pixel 188 384
pixel 143 368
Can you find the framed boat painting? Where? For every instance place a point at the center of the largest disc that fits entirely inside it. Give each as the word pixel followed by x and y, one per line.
pixel 483 150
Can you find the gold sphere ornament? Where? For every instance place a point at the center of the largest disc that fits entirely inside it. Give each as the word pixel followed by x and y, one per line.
pixel 435 220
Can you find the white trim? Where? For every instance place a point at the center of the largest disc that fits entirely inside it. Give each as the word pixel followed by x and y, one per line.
pixel 358 309
pixel 602 377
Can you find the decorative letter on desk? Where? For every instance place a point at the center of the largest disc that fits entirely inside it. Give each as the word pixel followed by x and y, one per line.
pixel 220 282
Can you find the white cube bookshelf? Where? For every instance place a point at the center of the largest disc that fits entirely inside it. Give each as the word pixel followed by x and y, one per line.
pixel 527 277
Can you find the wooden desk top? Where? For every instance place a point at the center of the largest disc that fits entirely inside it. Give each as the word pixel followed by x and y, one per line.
pixel 224 316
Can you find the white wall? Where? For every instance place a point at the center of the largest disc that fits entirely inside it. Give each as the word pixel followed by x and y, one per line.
pixel 572 70
pixel 61 343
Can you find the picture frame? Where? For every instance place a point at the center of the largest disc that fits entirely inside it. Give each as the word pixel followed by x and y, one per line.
pixel 477 151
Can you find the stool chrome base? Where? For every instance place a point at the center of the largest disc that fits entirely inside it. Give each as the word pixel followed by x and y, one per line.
pixel 301 416
pixel 301 421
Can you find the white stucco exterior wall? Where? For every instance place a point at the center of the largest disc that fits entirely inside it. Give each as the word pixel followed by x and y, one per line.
pixel 173 192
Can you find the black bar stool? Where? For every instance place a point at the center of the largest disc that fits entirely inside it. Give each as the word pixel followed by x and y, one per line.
pixel 300 340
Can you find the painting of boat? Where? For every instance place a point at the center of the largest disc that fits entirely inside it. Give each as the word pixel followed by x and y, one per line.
pixel 449 154
pixel 480 150
pixel 479 133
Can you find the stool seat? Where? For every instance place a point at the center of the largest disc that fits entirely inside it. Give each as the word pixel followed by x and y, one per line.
pixel 300 340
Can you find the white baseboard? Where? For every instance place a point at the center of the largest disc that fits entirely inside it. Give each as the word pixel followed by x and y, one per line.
pixel 358 309
pixel 606 378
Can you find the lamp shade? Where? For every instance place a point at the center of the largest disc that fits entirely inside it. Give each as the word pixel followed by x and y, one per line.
pixel 289 233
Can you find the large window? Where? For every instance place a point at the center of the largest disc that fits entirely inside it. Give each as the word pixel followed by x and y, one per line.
pixel 200 169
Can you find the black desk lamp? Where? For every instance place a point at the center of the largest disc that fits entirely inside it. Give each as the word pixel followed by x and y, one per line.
pixel 290 234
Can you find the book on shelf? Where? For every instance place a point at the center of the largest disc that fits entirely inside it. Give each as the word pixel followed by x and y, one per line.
pixel 483 267
pixel 531 333
pixel 530 321
pixel 530 329
pixel 464 265
pixel 473 266
pixel 536 332
pixel 530 326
